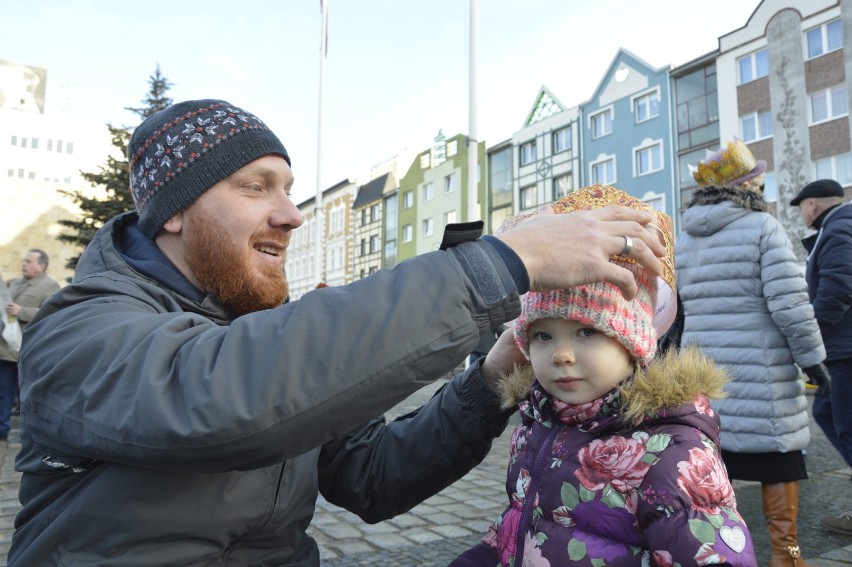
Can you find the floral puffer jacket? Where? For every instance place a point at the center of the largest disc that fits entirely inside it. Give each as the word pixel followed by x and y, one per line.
pixel 588 486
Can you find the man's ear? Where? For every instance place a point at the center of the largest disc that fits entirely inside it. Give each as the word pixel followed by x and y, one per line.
pixel 174 224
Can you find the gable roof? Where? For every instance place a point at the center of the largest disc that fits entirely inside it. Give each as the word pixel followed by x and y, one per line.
pixel 546 105
pixel 371 191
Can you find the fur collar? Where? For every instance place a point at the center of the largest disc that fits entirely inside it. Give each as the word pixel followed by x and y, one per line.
pixel 713 195
pixel 670 380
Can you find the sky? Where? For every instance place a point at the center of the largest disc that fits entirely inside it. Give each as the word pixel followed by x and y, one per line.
pixel 395 73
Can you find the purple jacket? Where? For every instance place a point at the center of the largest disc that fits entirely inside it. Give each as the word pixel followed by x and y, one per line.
pixel 588 486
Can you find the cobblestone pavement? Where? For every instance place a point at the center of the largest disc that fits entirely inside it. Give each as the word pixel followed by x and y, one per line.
pixel 435 532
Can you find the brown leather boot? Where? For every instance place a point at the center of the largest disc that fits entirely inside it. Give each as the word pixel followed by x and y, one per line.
pixel 781 507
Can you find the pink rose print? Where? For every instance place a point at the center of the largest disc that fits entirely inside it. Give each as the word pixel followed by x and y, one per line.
pixel 663 559
pixel 616 461
pixel 702 406
pixel 532 554
pixel 506 535
pixel 703 478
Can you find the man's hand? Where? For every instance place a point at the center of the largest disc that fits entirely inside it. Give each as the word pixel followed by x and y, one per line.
pixel 565 250
pixel 819 377
pixel 503 357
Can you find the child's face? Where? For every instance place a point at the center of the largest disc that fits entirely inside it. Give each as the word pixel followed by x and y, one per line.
pixel 576 363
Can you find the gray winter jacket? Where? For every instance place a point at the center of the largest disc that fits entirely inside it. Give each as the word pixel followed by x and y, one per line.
pixel 745 303
pixel 157 429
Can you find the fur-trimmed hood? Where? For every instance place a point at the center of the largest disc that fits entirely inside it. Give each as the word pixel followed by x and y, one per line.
pixel 675 378
pixel 712 209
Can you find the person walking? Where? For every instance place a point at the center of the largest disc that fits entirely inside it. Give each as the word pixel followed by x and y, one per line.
pixel 746 305
pixel 176 411
pixel 828 273
pixel 26 295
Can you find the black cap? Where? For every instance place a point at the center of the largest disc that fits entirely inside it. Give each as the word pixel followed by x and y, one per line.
pixel 818 188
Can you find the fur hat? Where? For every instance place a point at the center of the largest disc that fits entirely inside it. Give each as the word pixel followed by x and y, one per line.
pixel 601 305
pixel 182 151
pixel 730 167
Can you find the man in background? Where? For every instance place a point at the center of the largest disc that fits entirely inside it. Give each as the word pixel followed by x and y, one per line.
pixel 829 277
pixel 26 295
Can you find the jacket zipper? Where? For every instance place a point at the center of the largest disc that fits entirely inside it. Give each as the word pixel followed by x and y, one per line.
pixel 529 500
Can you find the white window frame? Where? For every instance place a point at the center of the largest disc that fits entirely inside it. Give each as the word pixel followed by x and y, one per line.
pixel 408 233
pixel 638 152
pixel 824 37
pixel 643 100
pixel 753 59
pixel 450 183
pixel 375 244
pixel 756 119
pixel 428 191
pixel 528 152
pixel 408 199
pixel 428 226
pixel 562 140
pixel 425 160
pixel 602 161
pixel 837 96
pixel 528 190
pixel 608 117
pixel 838 167
pixel 449 217
pixel 556 181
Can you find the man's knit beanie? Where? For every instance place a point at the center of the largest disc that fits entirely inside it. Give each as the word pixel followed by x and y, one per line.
pixel 182 151
pixel 601 305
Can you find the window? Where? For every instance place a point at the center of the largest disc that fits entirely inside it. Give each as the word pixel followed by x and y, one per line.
pixel 428 226
pixel 529 197
pixel 407 233
pixel 756 126
pixel 23 142
pixel 449 217
pixel 363 247
pixel 601 123
pixel 374 213
pixel 646 106
pixel 529 153
pixel 697 108
pixel 425 161
pixel 335 257
pixel 829 104
pixel 336 220
pixel 50 145
pixel 31 176
pixel 753 66
pixel 408 200
pixel 14 140
pixel 452 148
pixel 826 38
pixel 770 187
pixel 59 146
pixel 500 177
pixel 603 171
pixel 562 140
pixel 648 159
pixel 450 183
pixel 69 148
pixel 34 143
pixel 428 192
pixel 838 168
pixel 562 185
pixel 375 244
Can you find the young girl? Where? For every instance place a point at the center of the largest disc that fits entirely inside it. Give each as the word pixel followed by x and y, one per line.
pixel 616 459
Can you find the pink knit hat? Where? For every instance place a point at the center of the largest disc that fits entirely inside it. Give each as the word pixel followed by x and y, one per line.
pixel 601 305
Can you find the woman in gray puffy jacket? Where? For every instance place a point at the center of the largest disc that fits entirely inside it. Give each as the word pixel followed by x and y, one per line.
pixel 745 303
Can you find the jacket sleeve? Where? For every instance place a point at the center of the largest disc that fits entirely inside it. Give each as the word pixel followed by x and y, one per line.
pixel 787 297
pixel 379 470
pixel 833 298
pixel 114 369
pixel 687 508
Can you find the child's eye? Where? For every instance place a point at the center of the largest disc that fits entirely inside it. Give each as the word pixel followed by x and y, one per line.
pixel 541 336
pixel 587 332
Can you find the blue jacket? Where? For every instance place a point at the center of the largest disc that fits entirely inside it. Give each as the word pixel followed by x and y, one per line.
pixel 829 277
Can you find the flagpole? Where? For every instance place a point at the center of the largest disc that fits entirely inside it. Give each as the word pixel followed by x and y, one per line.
pixel 319 275
pixel 473 213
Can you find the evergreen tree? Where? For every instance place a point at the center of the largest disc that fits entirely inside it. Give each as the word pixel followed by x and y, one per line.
pixel 113 176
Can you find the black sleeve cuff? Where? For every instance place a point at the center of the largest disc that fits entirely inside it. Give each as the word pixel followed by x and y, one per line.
pixel 513 263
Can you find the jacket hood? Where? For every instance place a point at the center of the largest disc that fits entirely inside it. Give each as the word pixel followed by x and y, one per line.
pixel 673 379
pixel 713 208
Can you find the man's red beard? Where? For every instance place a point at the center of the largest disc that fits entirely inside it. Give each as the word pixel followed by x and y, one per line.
pixel 226 271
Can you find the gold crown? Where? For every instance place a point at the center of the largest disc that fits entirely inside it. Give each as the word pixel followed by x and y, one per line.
pixel 725 167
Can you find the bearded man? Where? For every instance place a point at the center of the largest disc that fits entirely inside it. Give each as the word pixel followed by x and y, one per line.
pixel 176 411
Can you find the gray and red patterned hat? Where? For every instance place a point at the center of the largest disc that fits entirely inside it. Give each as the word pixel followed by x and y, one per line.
pixel 183 150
